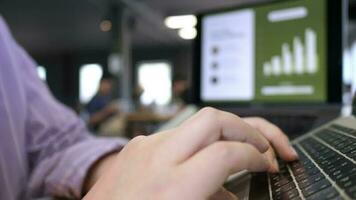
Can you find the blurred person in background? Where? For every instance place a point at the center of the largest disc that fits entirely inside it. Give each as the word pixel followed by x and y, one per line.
pixel 46 150
pixel 136 95
pixel 180 94
pixel 101 107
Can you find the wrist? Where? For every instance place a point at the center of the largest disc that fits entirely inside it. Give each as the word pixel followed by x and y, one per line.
pixel 97 170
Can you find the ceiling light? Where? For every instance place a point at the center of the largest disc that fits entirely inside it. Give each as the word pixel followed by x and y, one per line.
pixel 182 21
pixel 188 33
pixel 105 25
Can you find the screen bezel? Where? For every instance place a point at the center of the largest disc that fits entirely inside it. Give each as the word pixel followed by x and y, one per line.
pixel 334 33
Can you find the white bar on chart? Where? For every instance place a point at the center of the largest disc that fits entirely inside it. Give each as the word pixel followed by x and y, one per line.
pixel 298 56
pixel 287 90
pixel 267 71
pixel 311 51
pixel 287 59
pixel 287 14
pixel 276 65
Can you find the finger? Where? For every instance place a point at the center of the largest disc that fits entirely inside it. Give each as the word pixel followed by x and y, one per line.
pixel 277 138
pixel 271 156
pixel 210 167
pixel 208 126
pixel 223 194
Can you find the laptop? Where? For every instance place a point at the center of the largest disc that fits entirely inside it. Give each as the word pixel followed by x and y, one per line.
pixel 280 59
pixel 326 168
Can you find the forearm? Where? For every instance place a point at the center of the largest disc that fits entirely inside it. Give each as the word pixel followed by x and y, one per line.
pixel 97 118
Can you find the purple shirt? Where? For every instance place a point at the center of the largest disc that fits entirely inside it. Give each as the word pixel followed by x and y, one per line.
pixel 45 149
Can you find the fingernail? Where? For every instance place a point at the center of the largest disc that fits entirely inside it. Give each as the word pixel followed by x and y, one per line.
pixel 267 162
pixel 294 151
pixel 276 165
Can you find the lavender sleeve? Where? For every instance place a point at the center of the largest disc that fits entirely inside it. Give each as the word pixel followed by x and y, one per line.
pixel 59 148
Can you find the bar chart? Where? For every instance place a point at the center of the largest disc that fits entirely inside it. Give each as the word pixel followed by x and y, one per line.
pixel 300 58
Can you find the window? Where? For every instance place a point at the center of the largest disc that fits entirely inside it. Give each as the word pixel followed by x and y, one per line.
pixel 156 82
pixel 42 73
pixel 89 79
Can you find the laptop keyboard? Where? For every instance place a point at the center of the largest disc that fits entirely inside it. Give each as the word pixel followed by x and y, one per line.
pixel 326 168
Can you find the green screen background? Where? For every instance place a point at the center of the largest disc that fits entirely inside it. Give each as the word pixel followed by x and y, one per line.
pixel 271 36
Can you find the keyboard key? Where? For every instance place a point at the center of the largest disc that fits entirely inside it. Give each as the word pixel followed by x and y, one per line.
pixel 351 154
pixel 348 148
pixel 283 180
pixel 342 164
pixel 336 159
pixel 343 171
pixel 351 191
pixel 345 179
pixel 347 184
pixel 287 187
pixel 278 177
pixel 310 180
pixel 291 194
pixel 296 198
pixel 316 187
pixel 326 194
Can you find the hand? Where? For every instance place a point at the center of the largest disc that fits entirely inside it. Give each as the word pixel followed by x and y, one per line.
pixel 278 141
pixel 102 115
pixel 111 108
pixel 223 194
pixel 189 162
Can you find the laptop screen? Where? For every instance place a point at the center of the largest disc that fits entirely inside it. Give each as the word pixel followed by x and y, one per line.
pixel 274 52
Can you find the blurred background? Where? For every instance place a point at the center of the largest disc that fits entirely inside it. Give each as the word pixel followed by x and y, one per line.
pixel 132 50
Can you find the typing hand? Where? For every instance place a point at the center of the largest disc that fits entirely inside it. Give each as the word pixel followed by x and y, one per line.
pixel 192 161
pixel 223 194
pixel 279 142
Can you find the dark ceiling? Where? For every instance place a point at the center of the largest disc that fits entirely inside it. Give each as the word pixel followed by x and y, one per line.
pixel 48 25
